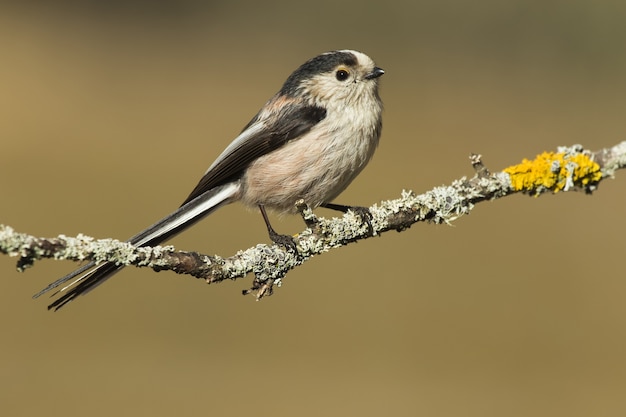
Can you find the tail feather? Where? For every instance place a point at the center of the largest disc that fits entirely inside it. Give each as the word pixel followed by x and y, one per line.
pixel 66 278
pixel 92 274
pixel 86 283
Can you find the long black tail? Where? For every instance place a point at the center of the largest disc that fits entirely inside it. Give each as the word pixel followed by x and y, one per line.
pixel 91 275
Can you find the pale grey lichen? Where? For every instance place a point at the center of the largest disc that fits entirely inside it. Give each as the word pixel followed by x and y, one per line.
pixel 499 186
pixel 613 159
pixel 572 150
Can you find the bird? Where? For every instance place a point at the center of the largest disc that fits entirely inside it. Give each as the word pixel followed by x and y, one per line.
pixel 308 142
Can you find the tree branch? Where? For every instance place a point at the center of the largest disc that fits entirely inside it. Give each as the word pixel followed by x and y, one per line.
pixel 567 169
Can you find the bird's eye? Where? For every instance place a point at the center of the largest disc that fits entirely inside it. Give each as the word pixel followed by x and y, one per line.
pixel 342 75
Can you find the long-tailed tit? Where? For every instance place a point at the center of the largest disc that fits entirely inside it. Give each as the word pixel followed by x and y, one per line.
pixel 308 142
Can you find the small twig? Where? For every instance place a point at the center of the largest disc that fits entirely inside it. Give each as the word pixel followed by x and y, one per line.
pixel 477 163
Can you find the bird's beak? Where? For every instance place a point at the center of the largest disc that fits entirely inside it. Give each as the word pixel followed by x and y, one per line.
pixel 376 72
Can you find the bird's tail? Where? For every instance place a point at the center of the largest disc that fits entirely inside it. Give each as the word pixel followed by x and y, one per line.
pixel 89 276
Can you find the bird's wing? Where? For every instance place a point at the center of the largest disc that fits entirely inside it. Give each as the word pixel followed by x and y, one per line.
pixel 279 122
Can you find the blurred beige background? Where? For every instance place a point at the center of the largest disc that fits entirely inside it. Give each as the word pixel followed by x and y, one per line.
pixel 109 114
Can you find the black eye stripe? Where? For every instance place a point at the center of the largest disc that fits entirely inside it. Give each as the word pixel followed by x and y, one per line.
pixel 322 64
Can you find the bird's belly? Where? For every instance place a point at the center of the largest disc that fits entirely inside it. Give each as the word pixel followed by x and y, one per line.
pixel 311 168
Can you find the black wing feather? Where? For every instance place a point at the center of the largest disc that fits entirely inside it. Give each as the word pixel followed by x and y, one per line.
pixel 293 120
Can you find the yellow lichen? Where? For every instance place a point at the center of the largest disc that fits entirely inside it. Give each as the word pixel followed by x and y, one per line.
pixel 554 172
